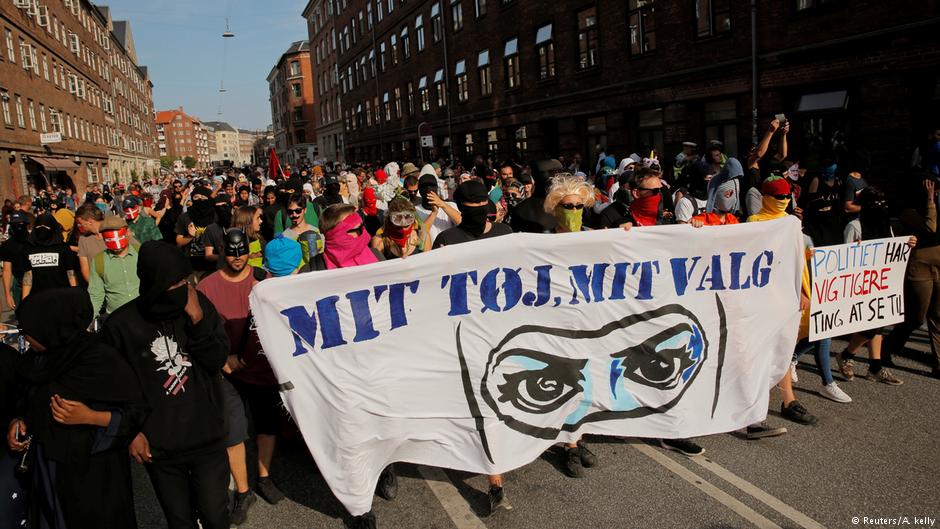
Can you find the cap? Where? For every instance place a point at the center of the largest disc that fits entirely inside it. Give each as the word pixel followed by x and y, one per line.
pixel 112 222
pixel 408 168
pixel 689 144
pixel 236 244
pixel 471 191
pixel 282 256
pixel 775 185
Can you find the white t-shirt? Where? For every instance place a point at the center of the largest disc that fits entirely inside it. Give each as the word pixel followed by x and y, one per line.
pixel 441 222
pixel 688 207
pixel 853 232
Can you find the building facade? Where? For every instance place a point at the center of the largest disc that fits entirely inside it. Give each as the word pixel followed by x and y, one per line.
pixel 511 79
pixel 246 143
pixel 328 116
pixel 77 108
pixel 293 106
pixel 226 140
pixel 183 136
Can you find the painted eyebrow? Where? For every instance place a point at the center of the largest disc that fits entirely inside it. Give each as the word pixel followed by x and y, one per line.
pixel 658 338
pixel 547 358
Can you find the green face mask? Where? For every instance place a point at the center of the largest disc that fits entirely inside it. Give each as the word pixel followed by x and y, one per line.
pixel 568 219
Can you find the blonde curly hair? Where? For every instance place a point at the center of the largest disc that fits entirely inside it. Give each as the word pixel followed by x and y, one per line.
pixel 565 184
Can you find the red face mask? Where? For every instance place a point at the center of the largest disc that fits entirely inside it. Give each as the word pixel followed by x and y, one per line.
pixel 131 214
pixel 115 240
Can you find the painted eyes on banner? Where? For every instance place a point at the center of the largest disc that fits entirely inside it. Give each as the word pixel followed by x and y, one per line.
pixel 665 360
pixel 537 382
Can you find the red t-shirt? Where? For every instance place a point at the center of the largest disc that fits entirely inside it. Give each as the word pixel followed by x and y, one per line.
pixel 231 302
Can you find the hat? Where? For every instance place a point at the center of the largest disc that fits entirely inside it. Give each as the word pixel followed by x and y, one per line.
pixel 112 222
pixel 130 202
pixel 471 191
pixel 775 185
pixel 689 144
pixel 409 169
pixel 282 256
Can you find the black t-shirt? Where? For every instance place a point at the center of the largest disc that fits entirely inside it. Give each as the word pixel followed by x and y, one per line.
pixel 15 253
pixel 456 235
pixel 211 235
pixel 50 266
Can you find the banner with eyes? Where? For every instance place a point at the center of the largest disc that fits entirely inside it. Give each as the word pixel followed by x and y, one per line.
pixel 480 356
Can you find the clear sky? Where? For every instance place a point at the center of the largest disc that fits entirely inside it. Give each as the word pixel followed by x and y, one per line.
pixel 181 43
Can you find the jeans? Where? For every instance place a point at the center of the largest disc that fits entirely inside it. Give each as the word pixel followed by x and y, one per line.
pixel 821 350
pixel 198 484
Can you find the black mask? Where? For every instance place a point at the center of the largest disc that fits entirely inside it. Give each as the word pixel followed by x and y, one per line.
pixel 202 213
pixel 424 191
pixel 170 304
pixel 473 219
pixel 223 213
pixel 236 244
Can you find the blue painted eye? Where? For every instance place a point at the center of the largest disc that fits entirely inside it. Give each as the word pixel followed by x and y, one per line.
pixel 665 360
pixel 543 382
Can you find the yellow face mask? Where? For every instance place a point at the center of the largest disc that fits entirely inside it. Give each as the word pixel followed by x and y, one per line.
pixel 568 219
pixel 771 208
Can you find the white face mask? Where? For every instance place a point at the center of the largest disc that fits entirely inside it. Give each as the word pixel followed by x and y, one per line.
pixel 725 201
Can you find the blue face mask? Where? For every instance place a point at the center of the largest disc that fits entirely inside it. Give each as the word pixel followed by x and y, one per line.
pixel 102 206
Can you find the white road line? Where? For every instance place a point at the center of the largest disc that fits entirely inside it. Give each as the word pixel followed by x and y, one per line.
pixel 454 504
pixel 765 498
pixel 698 482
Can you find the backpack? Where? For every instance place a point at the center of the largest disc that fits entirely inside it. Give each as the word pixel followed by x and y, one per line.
pixel 99 260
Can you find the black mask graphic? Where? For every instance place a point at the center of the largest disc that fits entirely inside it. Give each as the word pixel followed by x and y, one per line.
pixel 473 219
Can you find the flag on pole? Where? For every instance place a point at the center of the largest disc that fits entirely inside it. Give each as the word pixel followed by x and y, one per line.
pixel 274 166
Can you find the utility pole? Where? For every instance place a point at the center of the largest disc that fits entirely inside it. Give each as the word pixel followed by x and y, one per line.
pixel 754 72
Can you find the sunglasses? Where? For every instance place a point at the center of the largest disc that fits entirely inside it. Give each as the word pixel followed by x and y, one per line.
pixel 355 231
pixel 781 197
pixel 295 212
pixel 650 189
pixel 403 219
pixel 571 206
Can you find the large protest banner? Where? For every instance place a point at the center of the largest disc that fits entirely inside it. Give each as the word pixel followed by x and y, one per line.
pixel 480 356
pixel 857 286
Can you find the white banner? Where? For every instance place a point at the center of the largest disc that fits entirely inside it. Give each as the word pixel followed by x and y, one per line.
pixel 480 356
pixel 857 286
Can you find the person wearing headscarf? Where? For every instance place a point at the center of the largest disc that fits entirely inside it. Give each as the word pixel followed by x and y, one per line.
pixel 724 196
pixel 403 233
pixel 530 215
pixel 351 186
pixel 81 404
pixel 173 339
pixel 51 263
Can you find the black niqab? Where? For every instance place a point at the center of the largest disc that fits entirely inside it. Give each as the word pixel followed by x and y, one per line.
pixel 159 266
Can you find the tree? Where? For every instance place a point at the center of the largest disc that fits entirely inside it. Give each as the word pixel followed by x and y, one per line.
pixel 166 162
pixel 189 162
pixel 134 175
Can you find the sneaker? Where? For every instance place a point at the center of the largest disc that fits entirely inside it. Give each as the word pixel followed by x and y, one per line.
pixel 387 487
pixel 834 392
pixel 495 496
pixel 363 521
pixel 243 501
pixel 762 430
pixel 798 413
pixel 588 459
pixel 683 446
pixel 793 374
pixel 572 463
pixel 884 375
pixel 269 491
pixel 847 367
pixel 886 361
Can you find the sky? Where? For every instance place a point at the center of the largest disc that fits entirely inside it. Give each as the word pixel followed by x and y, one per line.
pixel 181 43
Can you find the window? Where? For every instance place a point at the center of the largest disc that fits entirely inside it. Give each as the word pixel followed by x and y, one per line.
pixel 378 10
pixel 55 120
pixel 587 38
pixel 405 43
pixel 298 113
pixel 42 117
pixel 425 96
pixel 712 17
pixel 651 129
pixel 32 115
pixel 369 14
pixel 411 98
pixel 398 103
pixel 294 68
pixel 393 49
pixel 545 48
pixel 436 23
pixel 386 104
pixel 642 27
pixel 372 62
pixel 468 143
pixel 295 89
pixel 522 143
pixel 483 67
pixel 382 56
pixel 456 10
pixel 440 88
pixel 19 112
pixel 5 99
pixel 511 64
pixel 45 66
pixel 463 89
pixel 803 5
pixel 492 142
pixel 419 31
pixel 391 6
pixel 479 8
pixel 11 54
pixel 369 113
pixel 721 123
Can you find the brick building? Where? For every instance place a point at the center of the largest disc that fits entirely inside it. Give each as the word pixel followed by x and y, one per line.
pixel 293 106
pixel 183 136
pixel 328 117
pixel 513 79
pixel 77 108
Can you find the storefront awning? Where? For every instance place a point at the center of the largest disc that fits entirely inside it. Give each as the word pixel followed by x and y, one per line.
pixel 825 101
pixel 54 164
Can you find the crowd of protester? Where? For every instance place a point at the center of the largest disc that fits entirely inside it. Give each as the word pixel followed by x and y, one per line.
pixel 133 300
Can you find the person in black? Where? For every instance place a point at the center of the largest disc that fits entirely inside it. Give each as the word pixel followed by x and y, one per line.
pixel 173 338
pixel 51 263
pixel 472 201
pixel 331 193
pixel 193 232
pixel 530 216
pixel 13 255
pixel 82 405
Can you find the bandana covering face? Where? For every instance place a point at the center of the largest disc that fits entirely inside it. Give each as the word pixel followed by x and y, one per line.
pixel 115 240
pixel 399 235
pixel 131 214
pixel 568 219
pixel 645 209
pixel 369 204
pixel 342 250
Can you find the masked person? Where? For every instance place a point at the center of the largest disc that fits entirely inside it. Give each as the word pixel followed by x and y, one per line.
pixel 169 209
pixel 247 370
pixel 332 187
pixel 723 197
pixel 114 280
pixel 81 407
pixel 51 263
pixel 372 217
pixel 567 198
pixel 196 229
pixel 88 218
pixel 174 340
pixel 269 212
pixel 436 214
pixel 403 234
pixel 13 256
pixel 142 227
pixel 472 199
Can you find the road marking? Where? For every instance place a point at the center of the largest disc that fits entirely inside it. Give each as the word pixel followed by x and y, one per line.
pixel 698 482
pixel 454 504
pixel 764 497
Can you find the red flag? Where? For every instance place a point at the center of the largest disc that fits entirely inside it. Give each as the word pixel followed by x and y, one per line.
pixel 274 166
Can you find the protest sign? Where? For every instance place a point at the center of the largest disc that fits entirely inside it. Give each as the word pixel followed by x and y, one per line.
pixel 480 356
pixel 857 286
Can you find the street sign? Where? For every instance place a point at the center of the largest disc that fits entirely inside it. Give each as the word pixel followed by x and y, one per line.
pixel 427 141
pixel 50 137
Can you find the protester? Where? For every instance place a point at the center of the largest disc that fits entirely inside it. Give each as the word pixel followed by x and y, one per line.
pixel 197 229
pixel 51 263
pixel 472 201
pixel 88 218
pixel 436 214
pixel 142 227
pixel 114 280
pixel 14 257
pixel 372 217
pixel 403 234
pixel 530 215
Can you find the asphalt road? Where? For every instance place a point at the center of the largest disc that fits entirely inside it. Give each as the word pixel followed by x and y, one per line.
pixel 877 457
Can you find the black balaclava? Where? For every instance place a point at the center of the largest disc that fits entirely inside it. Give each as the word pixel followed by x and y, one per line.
pixel 426 184
pixel 46 232
pixel 874 217
pixel 223 210
pixel 473 218
pixel 159 266
pixel 54 317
